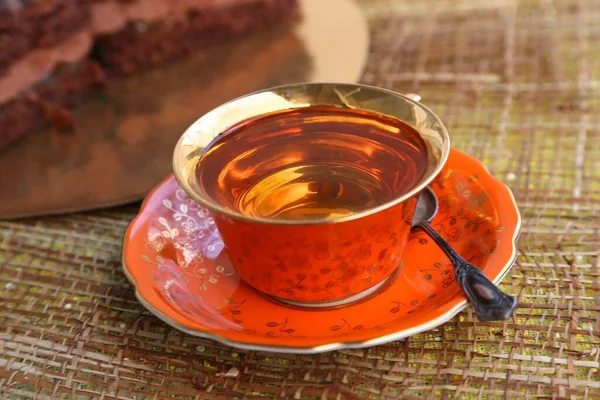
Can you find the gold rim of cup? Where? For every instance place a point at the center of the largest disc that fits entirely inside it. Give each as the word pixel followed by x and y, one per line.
pixel 206 130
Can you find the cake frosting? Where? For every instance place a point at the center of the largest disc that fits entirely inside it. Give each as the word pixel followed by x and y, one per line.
pixel 40 62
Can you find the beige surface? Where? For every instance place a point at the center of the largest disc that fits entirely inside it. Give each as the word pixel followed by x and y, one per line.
pixel 337 37
pixel 517 85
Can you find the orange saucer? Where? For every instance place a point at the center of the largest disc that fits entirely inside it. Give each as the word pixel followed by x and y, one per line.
pixel 175 258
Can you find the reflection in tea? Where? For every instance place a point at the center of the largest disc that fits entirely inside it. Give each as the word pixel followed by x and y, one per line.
pixel 313 163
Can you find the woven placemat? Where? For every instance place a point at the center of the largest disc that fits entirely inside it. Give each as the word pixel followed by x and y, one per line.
pixel 518 85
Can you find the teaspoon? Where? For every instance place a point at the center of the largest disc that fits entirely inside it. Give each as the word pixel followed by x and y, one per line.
pixel 489 302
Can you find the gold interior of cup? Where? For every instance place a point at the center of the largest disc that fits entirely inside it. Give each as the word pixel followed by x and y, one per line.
pixel 203 131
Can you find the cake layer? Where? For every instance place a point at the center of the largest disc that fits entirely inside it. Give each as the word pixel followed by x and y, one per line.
pixel 40 63
pixel 49 101
pixel 139 45
pixel 26 25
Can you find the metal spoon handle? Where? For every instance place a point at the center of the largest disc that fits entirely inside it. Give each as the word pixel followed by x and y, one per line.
pixel 490 303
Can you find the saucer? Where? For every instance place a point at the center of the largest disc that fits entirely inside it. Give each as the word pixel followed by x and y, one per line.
pixel 176 260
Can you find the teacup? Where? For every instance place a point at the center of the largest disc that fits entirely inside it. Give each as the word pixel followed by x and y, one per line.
pixel 320 239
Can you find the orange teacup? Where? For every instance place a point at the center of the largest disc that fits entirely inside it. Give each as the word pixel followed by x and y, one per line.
pixel 313 187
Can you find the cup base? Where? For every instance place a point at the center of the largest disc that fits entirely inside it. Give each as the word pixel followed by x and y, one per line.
pixel 341 302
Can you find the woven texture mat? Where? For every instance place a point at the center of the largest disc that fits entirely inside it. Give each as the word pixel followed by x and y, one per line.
pixel 518 85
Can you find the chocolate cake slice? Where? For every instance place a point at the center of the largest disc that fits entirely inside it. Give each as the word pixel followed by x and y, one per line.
pixel 185 31
pixel 53 52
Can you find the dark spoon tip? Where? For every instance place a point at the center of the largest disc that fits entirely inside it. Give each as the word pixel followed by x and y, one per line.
pixel 499 313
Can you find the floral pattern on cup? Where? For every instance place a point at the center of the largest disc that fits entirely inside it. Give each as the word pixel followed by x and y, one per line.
pixel 319 262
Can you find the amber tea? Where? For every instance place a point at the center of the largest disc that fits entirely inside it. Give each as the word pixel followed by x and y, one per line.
pixel 313 186
pixel 313 163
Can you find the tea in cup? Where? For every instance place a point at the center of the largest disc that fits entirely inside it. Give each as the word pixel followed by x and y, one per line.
pixel 313 187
